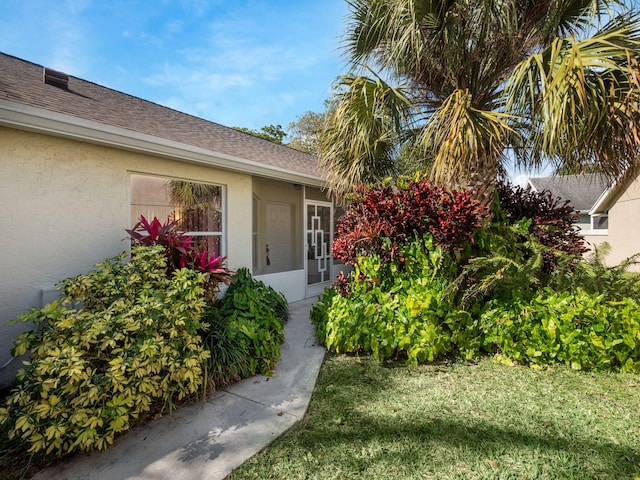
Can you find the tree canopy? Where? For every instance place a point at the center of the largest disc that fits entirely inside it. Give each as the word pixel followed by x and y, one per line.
pixel 306 131
pixel 273 133
pixel 468 85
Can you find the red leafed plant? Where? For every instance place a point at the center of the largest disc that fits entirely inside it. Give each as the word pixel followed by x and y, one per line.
pixel 380 219
pixel 209 263
pixel 181 252
pixel 552 221
pixel 177 244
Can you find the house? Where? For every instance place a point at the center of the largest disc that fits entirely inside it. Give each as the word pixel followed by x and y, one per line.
pixel 619 204
pixel 609 212
pixel 79 163
pixel 582 192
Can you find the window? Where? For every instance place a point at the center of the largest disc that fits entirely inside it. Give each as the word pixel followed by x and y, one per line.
pixel 197 207
pixel 600 222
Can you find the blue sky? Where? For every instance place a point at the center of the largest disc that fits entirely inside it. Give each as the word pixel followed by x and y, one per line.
pixel 246 63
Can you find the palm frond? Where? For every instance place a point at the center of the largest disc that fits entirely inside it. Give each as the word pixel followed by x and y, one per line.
pixel 578 16
pixel 391 33
pixel 582 97
pixel 462 139
pixel 484 76
pixel 360 140
pixel 193 195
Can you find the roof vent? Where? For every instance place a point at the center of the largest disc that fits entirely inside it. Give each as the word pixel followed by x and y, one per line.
pixel 55 78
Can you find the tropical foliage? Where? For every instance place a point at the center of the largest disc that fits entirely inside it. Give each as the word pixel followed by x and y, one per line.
pixel 249 328
pixel 594 275
pixel 123 340
pixel 129 339
pixel 182 252
pixel 575 328
pixel 378 220
pixel 512 284
pixel 390 310
pixel 466 86
pixel 552 220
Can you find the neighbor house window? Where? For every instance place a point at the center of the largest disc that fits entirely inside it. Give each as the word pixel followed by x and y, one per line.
pixel 600 222
pixel 196 207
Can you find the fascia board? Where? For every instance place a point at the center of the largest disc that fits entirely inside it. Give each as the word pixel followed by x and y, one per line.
pixel 26 117
pixel 531 185
pixel 602 204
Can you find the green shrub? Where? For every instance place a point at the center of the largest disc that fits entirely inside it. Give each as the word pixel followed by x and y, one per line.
pixel 252 315
pixel 508 266
pixel 230 355
pixel 122 340
pixel 517 288
pixel 418 312
pixel 595 276
pixel 551 221
pixel 319 314
pixel 579 329
pixel 392 310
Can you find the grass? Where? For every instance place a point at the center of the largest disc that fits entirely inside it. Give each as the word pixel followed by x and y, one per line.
pixel 459 421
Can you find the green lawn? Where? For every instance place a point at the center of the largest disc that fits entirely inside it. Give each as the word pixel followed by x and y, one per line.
pixel 459 421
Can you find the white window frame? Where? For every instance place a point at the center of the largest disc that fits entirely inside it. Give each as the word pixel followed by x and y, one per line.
pixel 223 209
pixel 596 231
pixel 593 221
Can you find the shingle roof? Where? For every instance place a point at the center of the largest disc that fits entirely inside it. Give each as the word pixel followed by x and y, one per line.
pixel 581 190
pixel 22 82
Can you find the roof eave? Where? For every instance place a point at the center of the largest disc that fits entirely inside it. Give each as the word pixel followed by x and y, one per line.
pixel 25 117
pixel 604 201
pixel 531 185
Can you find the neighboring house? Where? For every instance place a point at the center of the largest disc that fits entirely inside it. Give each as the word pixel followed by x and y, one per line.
pixel 80 162
pixel 620 205
pixel 582 192
pixel 608 213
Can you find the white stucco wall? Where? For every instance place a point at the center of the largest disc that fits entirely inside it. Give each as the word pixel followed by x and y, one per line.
pixel 65 206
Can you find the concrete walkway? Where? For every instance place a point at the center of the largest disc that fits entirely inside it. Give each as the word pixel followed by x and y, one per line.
pixel 209 439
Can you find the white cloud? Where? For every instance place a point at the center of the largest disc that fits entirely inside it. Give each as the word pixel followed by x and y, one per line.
pixel 66 35
pixel 77 6
pixel 192 80
pixel 199 7
pixel 174 26
pixel 150 40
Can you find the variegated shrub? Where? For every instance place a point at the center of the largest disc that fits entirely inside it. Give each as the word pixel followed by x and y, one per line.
pixel 122 341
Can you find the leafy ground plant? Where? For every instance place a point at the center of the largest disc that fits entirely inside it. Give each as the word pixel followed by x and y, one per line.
pixel 138 344
pixel 578 329
pixel 392 310
pixel 459 421
pixel 246 328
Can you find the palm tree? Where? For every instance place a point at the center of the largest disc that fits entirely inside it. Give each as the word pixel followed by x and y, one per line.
pixel 469 85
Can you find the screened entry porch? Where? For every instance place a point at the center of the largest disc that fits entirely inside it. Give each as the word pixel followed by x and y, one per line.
pixel 293 229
